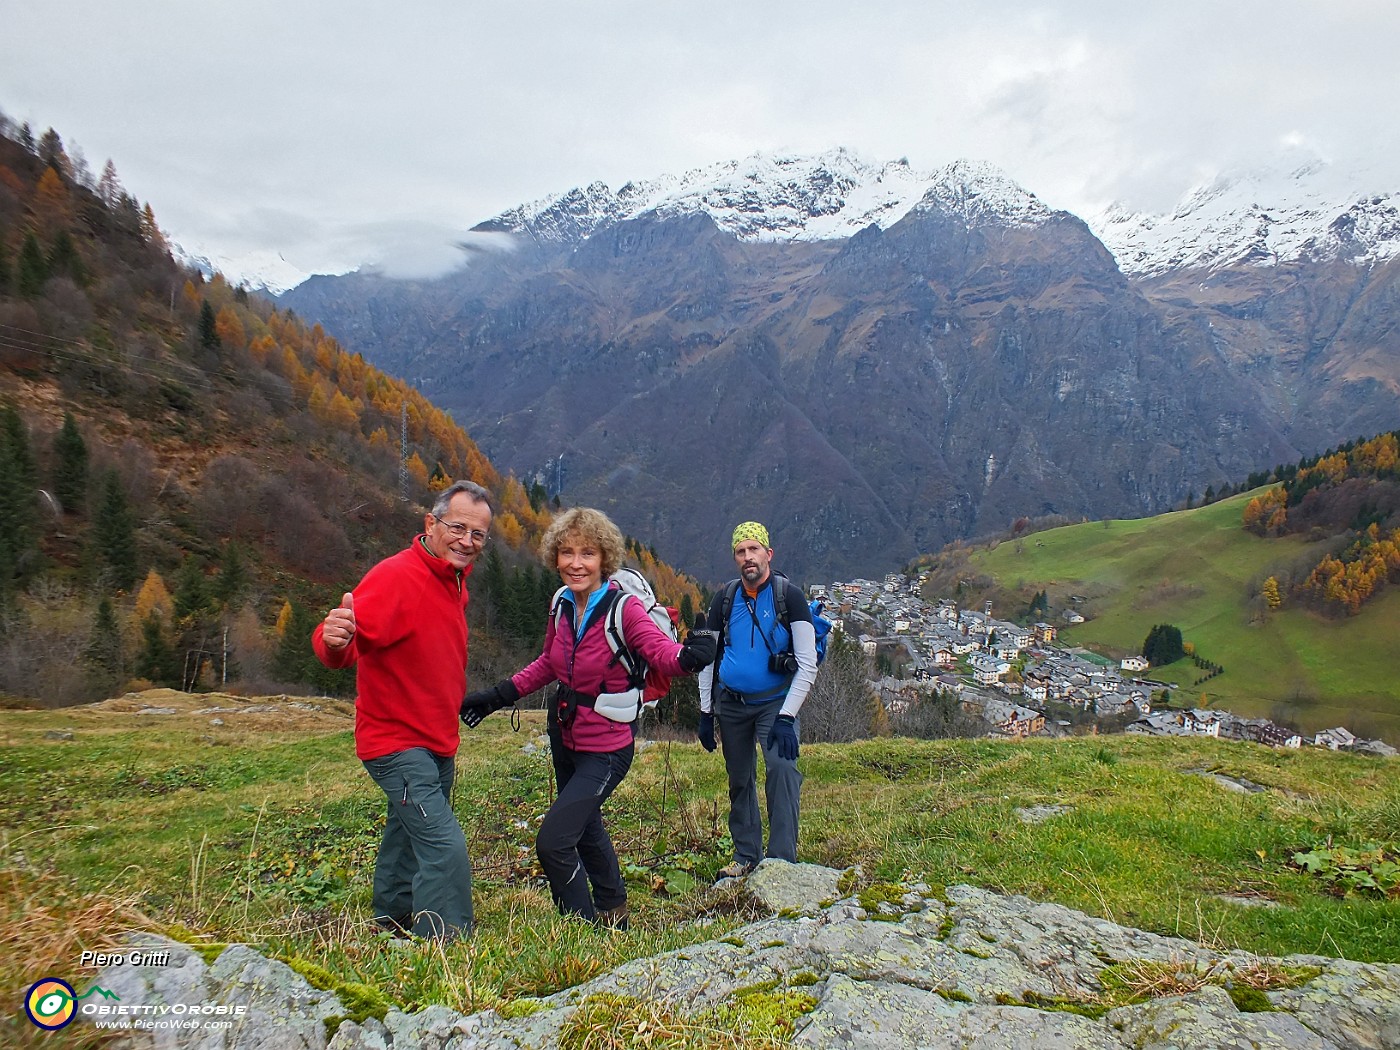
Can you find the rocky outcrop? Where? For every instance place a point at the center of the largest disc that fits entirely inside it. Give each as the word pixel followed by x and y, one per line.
pixel 889 967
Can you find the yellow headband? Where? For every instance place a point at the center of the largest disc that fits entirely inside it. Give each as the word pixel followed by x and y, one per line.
pixel 750 530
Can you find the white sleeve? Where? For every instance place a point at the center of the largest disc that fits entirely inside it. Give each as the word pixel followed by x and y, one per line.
pixel 804 646
pixel 709 674
pixel 706 680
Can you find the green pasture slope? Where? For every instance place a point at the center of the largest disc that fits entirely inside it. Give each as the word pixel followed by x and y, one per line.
pixel 1199 570
pixel 262 830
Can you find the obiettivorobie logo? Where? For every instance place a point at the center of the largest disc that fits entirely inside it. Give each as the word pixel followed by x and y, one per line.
pixel 51 1003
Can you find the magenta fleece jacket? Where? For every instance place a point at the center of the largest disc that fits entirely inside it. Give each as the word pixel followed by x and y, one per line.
pixel 585 670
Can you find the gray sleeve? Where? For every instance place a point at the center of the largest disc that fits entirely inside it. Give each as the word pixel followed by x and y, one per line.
pixel 804 646
pixel 706 680
pixel 708 675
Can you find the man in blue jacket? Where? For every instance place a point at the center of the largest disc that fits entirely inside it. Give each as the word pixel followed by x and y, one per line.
pixel 754 689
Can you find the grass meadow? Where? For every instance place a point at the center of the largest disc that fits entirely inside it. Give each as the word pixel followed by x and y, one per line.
pixel 1199 570
pixel 262 829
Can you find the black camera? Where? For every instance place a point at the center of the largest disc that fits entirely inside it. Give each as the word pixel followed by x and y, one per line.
pixel 782 663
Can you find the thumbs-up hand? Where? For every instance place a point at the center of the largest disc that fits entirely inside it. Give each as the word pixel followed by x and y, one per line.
pixel 339 625
pixel 700 647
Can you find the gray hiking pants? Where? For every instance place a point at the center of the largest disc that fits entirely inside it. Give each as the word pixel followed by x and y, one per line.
pixel 422 878
pixel 743 729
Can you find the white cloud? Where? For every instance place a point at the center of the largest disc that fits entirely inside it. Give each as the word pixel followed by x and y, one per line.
pixel 339 133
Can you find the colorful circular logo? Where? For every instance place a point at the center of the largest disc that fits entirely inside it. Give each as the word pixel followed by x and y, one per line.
pixel 50 1003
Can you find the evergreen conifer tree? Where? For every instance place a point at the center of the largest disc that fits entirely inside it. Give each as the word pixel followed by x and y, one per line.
pixel 191 590
pixel 103 653
pixel 233 576
pixel 117 533
pixel 156 660
pixel 64 261
pixel 70 472
pixel 19 519
pixel 31 272
pixel 208 332
pixel 492 579
pixel 1163 645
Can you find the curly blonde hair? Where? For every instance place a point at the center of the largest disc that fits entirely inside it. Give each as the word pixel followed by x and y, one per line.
pixel 593 527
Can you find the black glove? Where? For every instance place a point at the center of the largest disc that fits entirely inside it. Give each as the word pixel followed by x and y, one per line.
pixel 481 703
pixel 782 738
pixel 706 730
pixel 700 647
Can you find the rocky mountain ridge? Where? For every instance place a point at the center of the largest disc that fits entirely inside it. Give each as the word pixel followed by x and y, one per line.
pixel 830 196
pixel 1263 217
pixel 1291 208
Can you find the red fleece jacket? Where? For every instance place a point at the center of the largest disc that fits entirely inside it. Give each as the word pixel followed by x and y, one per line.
pixel 410 654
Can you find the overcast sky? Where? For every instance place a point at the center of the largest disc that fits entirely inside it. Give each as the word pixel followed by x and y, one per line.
pixel 348 132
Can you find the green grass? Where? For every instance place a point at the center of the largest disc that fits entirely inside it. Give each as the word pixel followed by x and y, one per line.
pixel 268 838
pixel 1199 570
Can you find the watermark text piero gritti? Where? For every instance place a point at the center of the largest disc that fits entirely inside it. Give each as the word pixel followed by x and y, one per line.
pixel 134 958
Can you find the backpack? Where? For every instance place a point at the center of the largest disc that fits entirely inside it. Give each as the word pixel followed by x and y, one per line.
pixel 632 584
pixel 820 624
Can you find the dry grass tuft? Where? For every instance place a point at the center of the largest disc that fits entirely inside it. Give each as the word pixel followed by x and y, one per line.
pixel 45 926
pixel 1141 979
pixel 624 1022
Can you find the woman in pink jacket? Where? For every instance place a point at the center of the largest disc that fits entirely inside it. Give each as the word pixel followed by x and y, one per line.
pixel 591 751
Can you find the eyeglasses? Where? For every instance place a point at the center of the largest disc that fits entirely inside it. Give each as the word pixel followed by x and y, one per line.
pixel 458 531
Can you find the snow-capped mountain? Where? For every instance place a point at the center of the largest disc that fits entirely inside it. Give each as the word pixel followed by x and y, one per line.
pixel 259 269
pixel 830 196
pixel 1277 213
pixel 1287 209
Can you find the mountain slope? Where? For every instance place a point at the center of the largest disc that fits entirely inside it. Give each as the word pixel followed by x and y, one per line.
pixel 1200 570
pixel 188 473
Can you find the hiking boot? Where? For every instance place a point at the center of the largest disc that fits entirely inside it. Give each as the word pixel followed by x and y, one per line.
pixel 613 918
pixel 733 870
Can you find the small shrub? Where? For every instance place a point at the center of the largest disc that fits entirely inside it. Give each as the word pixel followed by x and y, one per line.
pixel 1372 870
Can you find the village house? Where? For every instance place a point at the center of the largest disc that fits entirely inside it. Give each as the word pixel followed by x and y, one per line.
pixel 1112 705
pixel 1262 731
pixel 1178 723
pixel 1335 739
pixel 949 682
pixel 1011 720
pixel 987 670
pixel 1133 664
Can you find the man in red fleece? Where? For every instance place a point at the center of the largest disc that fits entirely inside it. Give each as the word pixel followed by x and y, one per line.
pixel 405 630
